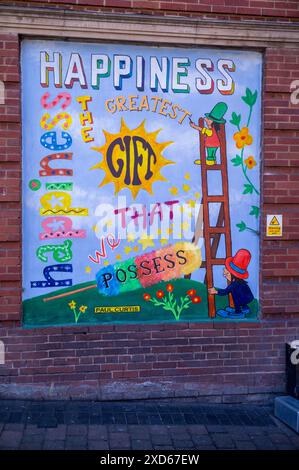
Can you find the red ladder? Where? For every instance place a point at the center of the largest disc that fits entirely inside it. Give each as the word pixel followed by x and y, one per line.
pixel 212 234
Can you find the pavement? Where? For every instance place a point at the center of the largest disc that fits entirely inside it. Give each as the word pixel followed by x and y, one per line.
pixel 140 425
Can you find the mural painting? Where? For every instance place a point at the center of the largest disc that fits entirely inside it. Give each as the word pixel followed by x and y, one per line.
pixel 140 183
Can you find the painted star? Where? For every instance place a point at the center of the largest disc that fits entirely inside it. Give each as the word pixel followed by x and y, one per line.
pixel 187 176
pixel 56 202
pixel 197 195
pixel 186 209
pixel 184 225
pixel 106 263
pixel 56 225
pixel 127 249
pixel 118 257
pixel 192 203
pixel 146 242
pixel 131 237
pixel 88 269
pixel 186 188
pixel 164 241
pixel 136 248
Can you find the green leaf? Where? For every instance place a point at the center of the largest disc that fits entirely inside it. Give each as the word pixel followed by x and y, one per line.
pixel 237 161
pixel 236 119
pixel 245 99
pixel 241 226
pixel 248 189
pixel 250 98
pixel 255 210
pixel 254 98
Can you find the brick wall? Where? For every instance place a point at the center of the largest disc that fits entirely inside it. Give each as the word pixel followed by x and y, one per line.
pixel 262 9
pixel 280 259
pixel 10 181
pixel 228 362
pixel 216 360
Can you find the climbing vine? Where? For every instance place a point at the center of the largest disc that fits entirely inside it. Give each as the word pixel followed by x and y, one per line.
pixel 243 139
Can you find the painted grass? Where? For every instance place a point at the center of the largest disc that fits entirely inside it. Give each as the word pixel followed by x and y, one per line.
pixel 38 313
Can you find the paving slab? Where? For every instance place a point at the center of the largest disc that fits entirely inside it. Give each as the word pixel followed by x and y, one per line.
pixel 174 424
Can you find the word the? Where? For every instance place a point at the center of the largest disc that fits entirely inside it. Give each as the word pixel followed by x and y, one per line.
pixel 85 117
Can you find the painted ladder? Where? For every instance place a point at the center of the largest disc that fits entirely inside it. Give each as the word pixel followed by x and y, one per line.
pixel 212 234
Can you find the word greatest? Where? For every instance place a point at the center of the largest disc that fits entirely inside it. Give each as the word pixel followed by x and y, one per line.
pixel 155 104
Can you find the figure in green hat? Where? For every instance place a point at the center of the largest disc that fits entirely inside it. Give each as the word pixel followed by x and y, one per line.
pixel 210 132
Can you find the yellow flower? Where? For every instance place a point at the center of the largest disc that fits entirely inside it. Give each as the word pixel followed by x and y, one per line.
pixel 83 308
pixel 72 305
pixel 250 162
pixel 243 138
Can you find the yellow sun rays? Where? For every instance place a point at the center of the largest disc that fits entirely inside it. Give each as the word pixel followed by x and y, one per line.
pixel 132 159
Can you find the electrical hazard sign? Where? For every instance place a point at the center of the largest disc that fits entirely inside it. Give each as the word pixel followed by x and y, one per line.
pixel 274 225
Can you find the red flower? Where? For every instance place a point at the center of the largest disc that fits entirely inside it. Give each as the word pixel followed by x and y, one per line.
pixel 146 297
pixel 191 292
pixel 160 294
pixel 169 287
pixel 195 299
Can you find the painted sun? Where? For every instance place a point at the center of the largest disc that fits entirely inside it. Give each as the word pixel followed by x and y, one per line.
pixel 132 159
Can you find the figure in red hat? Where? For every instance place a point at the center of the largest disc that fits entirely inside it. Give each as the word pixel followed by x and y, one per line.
pixel 235 272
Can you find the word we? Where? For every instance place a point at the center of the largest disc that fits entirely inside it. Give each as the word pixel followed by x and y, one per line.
pixel 111 242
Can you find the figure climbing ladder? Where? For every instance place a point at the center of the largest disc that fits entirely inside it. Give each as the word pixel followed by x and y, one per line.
pixel 212 234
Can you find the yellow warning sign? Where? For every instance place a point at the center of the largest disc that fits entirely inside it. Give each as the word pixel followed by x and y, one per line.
pixel 274 225
pixel 274 221
pixel 118 309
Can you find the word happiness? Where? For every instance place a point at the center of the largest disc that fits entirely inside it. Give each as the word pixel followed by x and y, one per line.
pixel 156 73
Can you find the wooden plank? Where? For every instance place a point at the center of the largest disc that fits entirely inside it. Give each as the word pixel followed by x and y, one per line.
pixel 215 198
